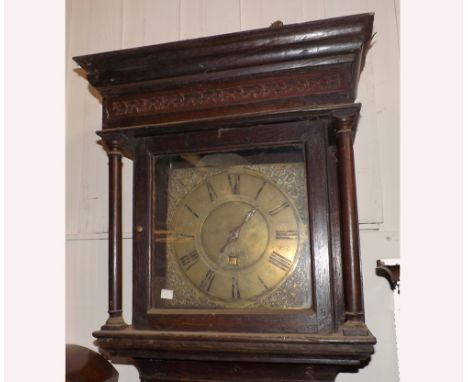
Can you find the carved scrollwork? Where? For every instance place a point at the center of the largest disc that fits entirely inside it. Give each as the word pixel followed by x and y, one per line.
pixel 192 98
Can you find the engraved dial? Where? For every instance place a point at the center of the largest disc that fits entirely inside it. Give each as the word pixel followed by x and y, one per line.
pixel 238 236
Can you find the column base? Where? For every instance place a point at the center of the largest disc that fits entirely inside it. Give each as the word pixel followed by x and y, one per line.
pixel 355 329
pixel 114 323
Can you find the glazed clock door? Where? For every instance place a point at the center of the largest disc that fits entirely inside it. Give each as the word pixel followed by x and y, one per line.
pixel 231 242
pixel 235 236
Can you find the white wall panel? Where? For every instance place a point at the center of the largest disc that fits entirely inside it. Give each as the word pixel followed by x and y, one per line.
pixel 105 33
pixel 385 60
pixel 86 287
pixel 148 22
pixel 201 18
pixel 105 25
pixel 134 22
pixel 313 9
pixel 366 148
pixel 162 21
pixel 77 95
pixel 336 8
pixel 86 294
pixel 262 13
pixel 95 26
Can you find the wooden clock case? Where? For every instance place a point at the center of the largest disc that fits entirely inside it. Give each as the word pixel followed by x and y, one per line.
pixel 292 84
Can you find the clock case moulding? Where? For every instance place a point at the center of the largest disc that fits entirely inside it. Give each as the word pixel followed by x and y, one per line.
pixel 266 87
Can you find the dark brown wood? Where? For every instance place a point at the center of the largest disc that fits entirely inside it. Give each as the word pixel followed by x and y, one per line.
pixel 349 221
pixel 142 238
pixel 252 90
pixel 335 233
pixel 316 165
pixel 273 87
pixel 312 135
pixel 115 320
pixel 85 365
pixel 250 348
pixel 301 64
pixel 109 71
pixel 174 370
pixel 391 271
pixel 260 117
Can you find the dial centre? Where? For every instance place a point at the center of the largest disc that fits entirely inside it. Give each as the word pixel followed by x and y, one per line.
pixel 235 235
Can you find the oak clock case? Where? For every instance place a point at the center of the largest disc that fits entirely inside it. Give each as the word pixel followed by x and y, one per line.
pixel 246 262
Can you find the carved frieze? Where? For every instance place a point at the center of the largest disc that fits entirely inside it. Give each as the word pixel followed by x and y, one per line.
pixel 227 93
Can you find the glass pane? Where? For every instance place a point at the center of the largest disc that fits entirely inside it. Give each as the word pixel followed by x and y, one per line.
pixel 231 231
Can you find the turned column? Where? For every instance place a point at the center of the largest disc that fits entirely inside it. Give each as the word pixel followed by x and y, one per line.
pixel 349 222
pixel 115 320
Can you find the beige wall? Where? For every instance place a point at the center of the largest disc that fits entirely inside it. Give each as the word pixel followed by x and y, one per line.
pixel 100 25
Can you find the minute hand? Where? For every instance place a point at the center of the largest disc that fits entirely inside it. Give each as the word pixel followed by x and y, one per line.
pixel 234 234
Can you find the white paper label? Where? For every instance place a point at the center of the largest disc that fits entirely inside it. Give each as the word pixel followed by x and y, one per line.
pixel 167 294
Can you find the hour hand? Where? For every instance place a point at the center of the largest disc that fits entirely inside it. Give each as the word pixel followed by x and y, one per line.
pixel 233 235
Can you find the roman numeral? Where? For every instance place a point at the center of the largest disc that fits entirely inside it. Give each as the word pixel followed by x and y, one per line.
pixel 189 260
pixel 280 261
pixel 208 280
pixel 180 237
pixel 235 293
pixel 278 209
pixel 260 190
pixel 262 282
pixel 192 211
pixel 286 235
pixel 187 235
pixel 211 192
pixel 234 182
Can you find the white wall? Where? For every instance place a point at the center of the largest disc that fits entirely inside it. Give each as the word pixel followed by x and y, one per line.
pixel 100 25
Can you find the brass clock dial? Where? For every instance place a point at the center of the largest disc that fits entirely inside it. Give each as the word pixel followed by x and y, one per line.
pixel 238 236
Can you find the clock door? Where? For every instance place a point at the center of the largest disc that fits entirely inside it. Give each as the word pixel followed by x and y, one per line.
pixel 238 233
pixel 235 234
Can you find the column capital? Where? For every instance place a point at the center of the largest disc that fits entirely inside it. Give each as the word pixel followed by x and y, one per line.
pixel 344 124
pixel 346 114
pixel 114 143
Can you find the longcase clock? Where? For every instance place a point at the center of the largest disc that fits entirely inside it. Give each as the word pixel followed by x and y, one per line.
pixel 246 262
